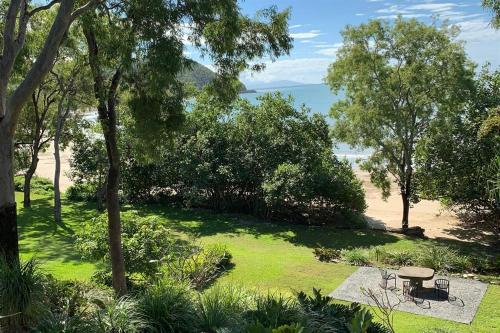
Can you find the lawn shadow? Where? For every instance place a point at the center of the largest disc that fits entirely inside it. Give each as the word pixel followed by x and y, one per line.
pixel 40 235
pixel 204 223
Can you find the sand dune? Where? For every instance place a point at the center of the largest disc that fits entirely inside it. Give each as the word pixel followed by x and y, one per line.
pixel 427 214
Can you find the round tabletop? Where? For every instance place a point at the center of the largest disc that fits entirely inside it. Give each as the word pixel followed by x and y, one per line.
pixel 411 272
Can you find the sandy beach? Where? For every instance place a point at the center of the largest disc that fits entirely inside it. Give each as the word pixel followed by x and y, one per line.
pixel 427 214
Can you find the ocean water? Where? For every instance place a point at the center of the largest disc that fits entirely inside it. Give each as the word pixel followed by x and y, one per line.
pixel 318 98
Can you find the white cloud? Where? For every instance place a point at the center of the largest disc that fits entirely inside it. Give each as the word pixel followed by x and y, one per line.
pixel 329 50
pixel 295 26
pixel 306 35
pixel 359 14
pixel 306 70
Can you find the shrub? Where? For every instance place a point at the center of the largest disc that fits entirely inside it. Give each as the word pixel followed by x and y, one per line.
pixel 273 310
pixel 393 258
pixel 145 242
pixel 120 316
pixel 356 256
pixel 221 307
pixel 38 184
pixel 21 295
pixel 198 265
pixel 326 254
pixel 82 192
pixel 442 258
pixel 169 307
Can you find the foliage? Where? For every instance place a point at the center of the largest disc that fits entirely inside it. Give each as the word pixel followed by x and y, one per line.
pixel 221 307
pixel 145 242
pixel 355 256
pixel 168 306
pixel 71 306
pixel 397 77
pixel 39 185
pixel 456 160
pixel 21 293
pixel 273 310
pixel 120 316
pixel 197 265
pixel 269 160
pixel 88 164
pixel 494 6
pixel 327 254
pixel 361 322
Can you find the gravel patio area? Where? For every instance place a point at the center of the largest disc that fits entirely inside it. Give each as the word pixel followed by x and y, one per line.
pixel 465 295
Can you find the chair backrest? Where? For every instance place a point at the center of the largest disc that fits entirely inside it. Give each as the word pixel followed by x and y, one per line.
pixel 442 282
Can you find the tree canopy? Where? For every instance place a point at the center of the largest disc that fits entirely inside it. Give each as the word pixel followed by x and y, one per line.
pixel 397 78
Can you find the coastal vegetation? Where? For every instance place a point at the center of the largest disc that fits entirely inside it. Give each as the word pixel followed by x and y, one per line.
pixel 193 209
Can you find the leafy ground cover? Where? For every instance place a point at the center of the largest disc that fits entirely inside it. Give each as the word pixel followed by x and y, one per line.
pixel 265 255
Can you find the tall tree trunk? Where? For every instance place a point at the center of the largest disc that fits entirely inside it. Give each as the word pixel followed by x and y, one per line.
pixel 112 201
pixel 62 115
pixel 406 210
pixel 8 222
pixel 29 175
pixel 106 108
pixel 57 172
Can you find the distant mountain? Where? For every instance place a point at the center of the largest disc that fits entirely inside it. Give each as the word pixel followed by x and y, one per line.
pixel 199 76
pixel 275 84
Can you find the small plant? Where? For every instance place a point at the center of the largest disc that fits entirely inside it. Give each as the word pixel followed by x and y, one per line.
pixel 355 256
pixel 274 310
pixel 169 307
pixel 327 255
pixel 361 322
pixel 120 316
pixel 221 307
pixel 197 265
pixel 21 295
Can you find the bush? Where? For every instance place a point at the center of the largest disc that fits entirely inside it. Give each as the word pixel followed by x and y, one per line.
pixel 145 242
pixel 39 185
pixel 169 307
pixel 274 310
pixel 222 307
pixel 442 259
pixel 120 316
pixel 71 306
pixel 393 258
pixel 356 256
pixel 82 192
pixel 199 266
pixel 326 254
pixel 21 295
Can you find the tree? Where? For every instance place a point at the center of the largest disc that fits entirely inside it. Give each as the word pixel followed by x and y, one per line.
pixel 15 92
pixel 456 162
pixel 397 79
pixel 140 43
pixel 36 129
pixel 73 90
pixel 494 5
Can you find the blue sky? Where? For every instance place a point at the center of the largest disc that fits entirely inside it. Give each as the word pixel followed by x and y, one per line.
pixel 316 25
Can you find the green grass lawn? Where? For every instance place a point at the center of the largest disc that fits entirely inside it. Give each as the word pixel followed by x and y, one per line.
pixel 265 255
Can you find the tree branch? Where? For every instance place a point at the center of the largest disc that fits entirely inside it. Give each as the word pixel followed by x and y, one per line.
pixel 41 8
